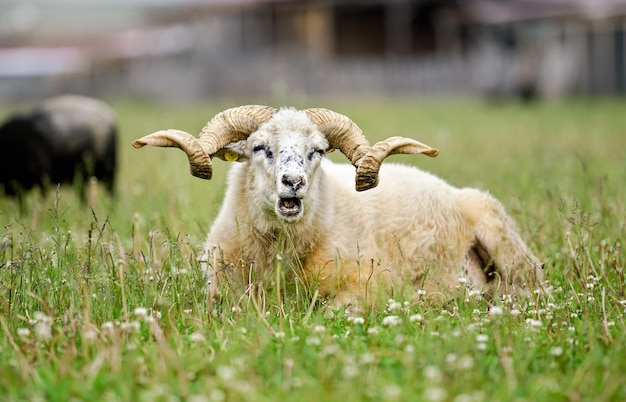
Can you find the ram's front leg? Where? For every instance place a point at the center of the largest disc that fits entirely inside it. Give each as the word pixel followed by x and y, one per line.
pixel 208 264
pixel 345 285
pixel 217 264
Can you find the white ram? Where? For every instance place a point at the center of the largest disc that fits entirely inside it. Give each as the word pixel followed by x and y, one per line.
pixel 286 203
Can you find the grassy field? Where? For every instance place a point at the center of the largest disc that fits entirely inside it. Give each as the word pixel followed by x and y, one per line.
pixel 105 302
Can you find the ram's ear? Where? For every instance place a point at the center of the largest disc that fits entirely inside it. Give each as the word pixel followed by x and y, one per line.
pixel 233 153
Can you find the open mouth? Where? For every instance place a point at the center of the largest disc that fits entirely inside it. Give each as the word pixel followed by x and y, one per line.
pixel 289 207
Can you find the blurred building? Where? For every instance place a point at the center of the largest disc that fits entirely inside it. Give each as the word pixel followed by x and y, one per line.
pixel 190 49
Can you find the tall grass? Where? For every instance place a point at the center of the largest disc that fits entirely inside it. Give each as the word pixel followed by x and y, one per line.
pixel 105 301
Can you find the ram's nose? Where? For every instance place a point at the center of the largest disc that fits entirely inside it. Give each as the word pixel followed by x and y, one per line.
pixel 293 182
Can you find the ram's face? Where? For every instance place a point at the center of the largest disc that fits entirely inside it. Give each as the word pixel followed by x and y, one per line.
pixel 285 161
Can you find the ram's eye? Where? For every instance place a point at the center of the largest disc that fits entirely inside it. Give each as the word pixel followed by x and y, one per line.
pixel 315 152
pixel 263 148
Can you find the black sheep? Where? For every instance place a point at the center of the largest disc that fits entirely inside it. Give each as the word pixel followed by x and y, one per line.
pixel 67 139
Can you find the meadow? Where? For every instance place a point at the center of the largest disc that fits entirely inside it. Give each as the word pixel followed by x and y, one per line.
pixel 103 300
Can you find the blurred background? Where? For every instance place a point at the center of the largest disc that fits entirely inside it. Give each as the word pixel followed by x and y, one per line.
pixel 175 50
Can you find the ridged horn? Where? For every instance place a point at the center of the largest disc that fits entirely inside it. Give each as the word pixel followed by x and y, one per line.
pixel 367 171
pixel 341 132
pixel 232 125
pixel 199 161
pixel 228 126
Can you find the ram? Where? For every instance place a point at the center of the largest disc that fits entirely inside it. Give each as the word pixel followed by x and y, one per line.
pixel 65 139
pixel 287 205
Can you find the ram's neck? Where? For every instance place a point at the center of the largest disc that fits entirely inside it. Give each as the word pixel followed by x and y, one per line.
pixel 291 238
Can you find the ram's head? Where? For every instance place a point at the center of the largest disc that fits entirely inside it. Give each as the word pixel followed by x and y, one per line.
pixel 287 145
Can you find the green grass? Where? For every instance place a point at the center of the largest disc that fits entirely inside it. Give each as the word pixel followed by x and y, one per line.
pixel 105 302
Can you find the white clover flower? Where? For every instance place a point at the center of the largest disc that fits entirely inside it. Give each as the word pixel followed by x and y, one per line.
pixel 394 306
pixel 226 373
pixel 90 334
pixel 475 293
pixel 279 335
pixel 43 330
pixel 482 338
pixel 313 341
pixel 358 320
pixel 433 373
pixel 106 326
pixel 23 332
pixel 534 323
pixel 391 321
pixel 464 398
pixel 38 316
pixel 392 391
pixel 130 327
pixel 515 312
pixel 473 326
pixel 197 398
pixel 435 394
pixel 329 350
pixel 495 310
pixel 409 349
pixel 461 280
pixel 465 362
pixel 507 299
pixel 421 292
pixel 373 330
pixel 141 312
pixel 481 346
pixel 318 329
pixel 217 395
pixel 349 371
pixel 416 318
pixel 235 309
pixel 197 337
pixel 367 358
pixel 556 351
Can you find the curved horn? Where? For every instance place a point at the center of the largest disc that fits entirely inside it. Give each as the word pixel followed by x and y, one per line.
pixel 367 171
pixel 233 125
pixel 341 132
pixel 228 126
pixel 199 161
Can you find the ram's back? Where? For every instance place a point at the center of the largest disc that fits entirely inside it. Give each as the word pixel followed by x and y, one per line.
pixel 406 217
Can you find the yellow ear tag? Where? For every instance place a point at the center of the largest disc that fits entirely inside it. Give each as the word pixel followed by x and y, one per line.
pixel 231 156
